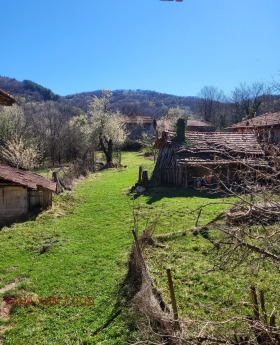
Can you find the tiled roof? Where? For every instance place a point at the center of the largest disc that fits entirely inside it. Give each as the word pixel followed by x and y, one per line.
pixel 197 123
pixel 6 99
pixel 219 162
pixel 265 120
pixel 223 141
pixel 25 178
pixel 139 119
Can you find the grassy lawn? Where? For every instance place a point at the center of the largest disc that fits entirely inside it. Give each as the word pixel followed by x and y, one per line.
pixel 80 247
pixel 88 233
pixel 203 292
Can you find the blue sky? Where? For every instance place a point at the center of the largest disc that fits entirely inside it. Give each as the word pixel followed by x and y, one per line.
pixel 173 47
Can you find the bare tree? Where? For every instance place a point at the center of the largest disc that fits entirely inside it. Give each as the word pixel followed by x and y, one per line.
pixel 211 105
pixel 247 99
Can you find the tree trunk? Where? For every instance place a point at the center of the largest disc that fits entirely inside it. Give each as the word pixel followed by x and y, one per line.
pixel 108 151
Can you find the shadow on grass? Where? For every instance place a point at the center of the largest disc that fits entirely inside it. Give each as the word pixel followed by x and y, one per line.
pixel 157 193
pixel 30 216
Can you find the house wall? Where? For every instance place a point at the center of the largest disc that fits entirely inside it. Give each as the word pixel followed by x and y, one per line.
pixel 265 133
pixel 200 128
pixel 13 202
pixel 16 201
pixel 135 130
pixel 276 137
pixel 41 198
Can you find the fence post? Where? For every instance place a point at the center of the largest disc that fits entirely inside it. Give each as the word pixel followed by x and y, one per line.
pixel 140 174
pixel 145 179
pixel 172 296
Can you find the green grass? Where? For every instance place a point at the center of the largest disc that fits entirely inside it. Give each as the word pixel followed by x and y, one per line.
pixel 88 233
pixel 203 292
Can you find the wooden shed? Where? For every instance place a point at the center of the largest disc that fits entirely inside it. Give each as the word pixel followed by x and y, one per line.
pixel 22 191
pixel 207 154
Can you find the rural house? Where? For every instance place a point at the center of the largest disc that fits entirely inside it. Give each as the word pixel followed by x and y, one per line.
pixel 137 125
pixel 207 155
pixel 266 127
pixel 22 191
pixel 6 99
pixel 196 125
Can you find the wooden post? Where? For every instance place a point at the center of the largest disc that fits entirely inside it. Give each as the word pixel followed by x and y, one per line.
pixel 140 174
pixel 145 179
pixel 172 295
pixel 186 176
pixel 180 174
pixel 197 219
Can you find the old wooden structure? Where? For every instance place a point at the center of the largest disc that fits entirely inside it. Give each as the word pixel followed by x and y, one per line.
pixel 22 191
pixel 209 156
pixel 266 127
pixel 6 99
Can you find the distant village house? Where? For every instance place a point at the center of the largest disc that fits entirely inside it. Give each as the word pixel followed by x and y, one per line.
pixel 196 125
pixel 266 127
pixel 137 125
pixel 6 99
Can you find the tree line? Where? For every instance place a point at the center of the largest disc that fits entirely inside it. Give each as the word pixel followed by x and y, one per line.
pixel 62 129
pixel 56 132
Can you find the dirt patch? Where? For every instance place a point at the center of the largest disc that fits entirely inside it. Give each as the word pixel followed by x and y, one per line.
pixel 10 286
pixel 5 310
pixel 12 268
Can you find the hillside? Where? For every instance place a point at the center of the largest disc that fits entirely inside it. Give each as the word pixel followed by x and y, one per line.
pixel 136 102
pixel 27 90
pixel 129 102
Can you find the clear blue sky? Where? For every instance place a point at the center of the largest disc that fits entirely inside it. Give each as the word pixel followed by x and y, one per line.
pixel 174 47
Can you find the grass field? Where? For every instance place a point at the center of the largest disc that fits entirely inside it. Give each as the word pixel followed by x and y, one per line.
pixel 79 249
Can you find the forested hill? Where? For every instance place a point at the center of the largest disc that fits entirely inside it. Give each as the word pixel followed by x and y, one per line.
pixel 136 102
pixel 27 90
pixel 129 102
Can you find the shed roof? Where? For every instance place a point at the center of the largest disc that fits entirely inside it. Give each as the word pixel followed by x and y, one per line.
pixel 6 99
pixel 223 162
pixel 223 141
pixel 198 123
pixel 265 120
pixel 25 178
pixel 139 119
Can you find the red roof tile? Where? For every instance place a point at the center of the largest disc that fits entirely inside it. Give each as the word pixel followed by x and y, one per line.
pixel 223 141
pixel 197 123
pixel 6 99
pixel 25 178
pixel 139 119
pixel 265 120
